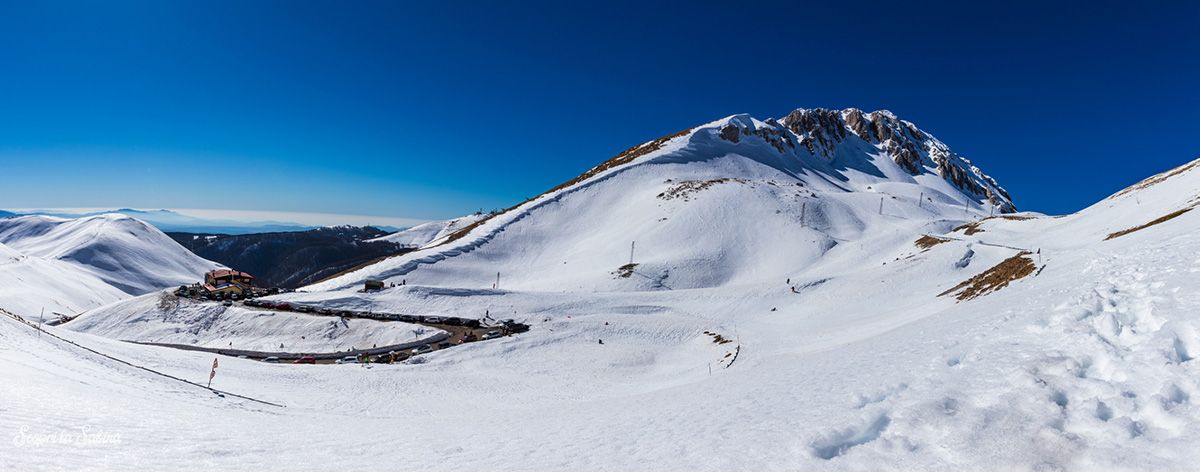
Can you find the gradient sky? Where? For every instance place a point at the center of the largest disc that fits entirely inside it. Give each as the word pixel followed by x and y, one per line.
pixel 434 109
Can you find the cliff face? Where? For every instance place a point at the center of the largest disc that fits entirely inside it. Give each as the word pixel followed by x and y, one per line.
pixel 821 131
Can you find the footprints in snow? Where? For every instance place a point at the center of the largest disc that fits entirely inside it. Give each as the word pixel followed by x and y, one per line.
pixel 1122 367
pixel 836 443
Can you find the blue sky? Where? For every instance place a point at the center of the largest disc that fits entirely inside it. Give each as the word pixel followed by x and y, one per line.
pixel 434 109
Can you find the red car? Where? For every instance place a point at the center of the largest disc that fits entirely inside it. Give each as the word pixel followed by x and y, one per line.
pixel 305 360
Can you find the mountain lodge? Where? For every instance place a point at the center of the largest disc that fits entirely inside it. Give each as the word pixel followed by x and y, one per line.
pixel 227 281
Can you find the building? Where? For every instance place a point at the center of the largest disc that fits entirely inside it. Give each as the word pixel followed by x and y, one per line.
pixel 372 285
pixel 228 281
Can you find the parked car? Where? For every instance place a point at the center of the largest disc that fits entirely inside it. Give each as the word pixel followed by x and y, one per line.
pixel 325 311
pixel 348 360
pixel 227 303
pixel 282 306
pixel 453 321
pixel 410 318
pixel 468 338
pixel 433 319
pixel 422 349
pixel 304 308
pixel 444 345
pixel 271 360
pixel 305 360
pixel 490 335
pixel 345 313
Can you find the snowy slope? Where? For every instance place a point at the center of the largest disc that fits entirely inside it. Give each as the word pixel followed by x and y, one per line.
pixel 425 233
pixel 124 252
pixel 166 319
pixel 30 284
pixel 1088 365
pixel 730 202
pixel 777 319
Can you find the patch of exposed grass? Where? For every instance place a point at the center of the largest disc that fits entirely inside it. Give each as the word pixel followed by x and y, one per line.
pixel 1158 178
pixel 719 339
pixel 686 188
pixel 926 241
pixel 970 228
pixel 996 278
pixel 1015 217
pixel 626 270
pixel 1158 220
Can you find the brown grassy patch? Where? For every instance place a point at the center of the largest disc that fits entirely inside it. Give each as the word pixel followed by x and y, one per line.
pixel 926 241
pixel 1158 178
pixel 996 278
pixel 625 271
pixel 686 188
pixel 970 228
pixel 1015 217
pixel 1158 220
pixel 718 339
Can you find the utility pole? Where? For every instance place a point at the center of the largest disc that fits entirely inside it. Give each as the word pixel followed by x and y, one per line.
pixel 41 319
pixel 631 246
pixel 880 205
pixel 921 201
pixel 966 208
pixel 803 207
pixel 497 286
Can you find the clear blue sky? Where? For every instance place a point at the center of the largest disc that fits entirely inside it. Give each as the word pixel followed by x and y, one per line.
pixel 433 109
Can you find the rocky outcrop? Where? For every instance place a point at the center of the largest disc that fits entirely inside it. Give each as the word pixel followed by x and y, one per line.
pixel 821 131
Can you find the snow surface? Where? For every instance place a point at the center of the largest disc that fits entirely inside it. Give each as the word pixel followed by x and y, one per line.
pixel 30 285
pixel 423 234
pixel 123 251
pixel 855 363
pixel 165 319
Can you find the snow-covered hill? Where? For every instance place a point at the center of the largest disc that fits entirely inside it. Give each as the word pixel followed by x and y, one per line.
pixel 776 317
pixel 734 201
pixel 422 234
pixel 124 252
pixel 31 284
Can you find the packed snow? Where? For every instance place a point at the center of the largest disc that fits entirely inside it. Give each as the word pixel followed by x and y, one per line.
pixel 775 316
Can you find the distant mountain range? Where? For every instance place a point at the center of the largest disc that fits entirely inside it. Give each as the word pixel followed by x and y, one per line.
pixel 296 258
pixel 167 220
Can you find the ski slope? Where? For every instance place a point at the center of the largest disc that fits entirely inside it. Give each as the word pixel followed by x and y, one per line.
pixel 776 319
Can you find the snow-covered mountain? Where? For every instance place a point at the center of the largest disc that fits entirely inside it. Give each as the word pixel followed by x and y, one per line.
pixel 844 302
pixel 422 234
pixel 738 200
pixel 122 251
pixel 30 285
